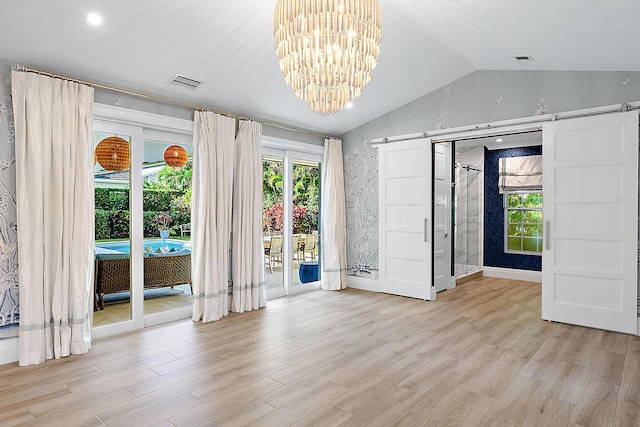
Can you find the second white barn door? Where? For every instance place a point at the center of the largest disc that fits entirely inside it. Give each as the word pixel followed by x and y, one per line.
pixel 442 277
pixel 405 188
pixel 589 262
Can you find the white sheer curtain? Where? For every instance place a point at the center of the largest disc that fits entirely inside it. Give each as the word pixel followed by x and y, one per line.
pixel 55 208
pixel 334 223
pixel 249 291
pixel 213 138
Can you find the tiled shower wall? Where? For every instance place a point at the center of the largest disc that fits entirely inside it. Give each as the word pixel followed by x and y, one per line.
pixel 468 209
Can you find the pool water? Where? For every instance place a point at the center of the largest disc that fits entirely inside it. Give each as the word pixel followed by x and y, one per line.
pixel 155 244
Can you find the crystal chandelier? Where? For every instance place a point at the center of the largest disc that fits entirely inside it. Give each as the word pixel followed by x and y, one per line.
pixel 327 48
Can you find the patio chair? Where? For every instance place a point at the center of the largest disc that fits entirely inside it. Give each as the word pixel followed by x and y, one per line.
pixel 273 252
pixel 185 229
pixel 297 245
pixel 310 246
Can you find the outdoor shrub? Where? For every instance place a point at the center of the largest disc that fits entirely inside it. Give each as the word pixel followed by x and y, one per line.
pixel 112 199
pixel 180 211
pixel 103 230
pixel 102 199
pixel 305 220
pixel 158 200
pixel 119 222
pixel 150 228
pixel 119 199
pixel 272 218
pixel 298 214
pixel 309 221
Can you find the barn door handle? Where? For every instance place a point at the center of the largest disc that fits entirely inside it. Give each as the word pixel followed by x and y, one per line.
pixel 426 228
pixel 547 237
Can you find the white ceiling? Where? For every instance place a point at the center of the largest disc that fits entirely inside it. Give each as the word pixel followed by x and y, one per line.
pixel 228 45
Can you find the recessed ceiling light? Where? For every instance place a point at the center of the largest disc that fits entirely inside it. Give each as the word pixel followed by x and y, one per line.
pixel 499 140
pixel 348 105
pixel 95 19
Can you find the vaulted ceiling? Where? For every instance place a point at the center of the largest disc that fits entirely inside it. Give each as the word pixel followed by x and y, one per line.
pixel 228 45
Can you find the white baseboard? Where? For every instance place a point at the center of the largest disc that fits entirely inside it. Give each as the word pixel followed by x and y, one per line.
pixel 363 283
pixel 9 350
pixel 512 273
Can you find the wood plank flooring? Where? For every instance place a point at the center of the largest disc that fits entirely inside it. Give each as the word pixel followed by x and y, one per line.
pixel 121 311
pixel 477 356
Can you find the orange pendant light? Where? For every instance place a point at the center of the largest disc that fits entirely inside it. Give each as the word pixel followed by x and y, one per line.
pixel 175 156
pixel 113 154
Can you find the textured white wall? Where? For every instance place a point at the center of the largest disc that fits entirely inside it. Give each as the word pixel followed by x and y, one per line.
pixel 9 315
pixel 482 96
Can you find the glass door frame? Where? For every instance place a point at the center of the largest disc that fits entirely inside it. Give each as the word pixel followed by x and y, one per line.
pixel 136 320
pixel 140 126
pixel 290 151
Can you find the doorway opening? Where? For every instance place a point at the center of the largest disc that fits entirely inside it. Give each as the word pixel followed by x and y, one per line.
pixel 142 220
pixel 483 220
pixel 290 219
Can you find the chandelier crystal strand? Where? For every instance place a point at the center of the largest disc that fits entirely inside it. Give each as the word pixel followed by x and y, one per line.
pixel 327 48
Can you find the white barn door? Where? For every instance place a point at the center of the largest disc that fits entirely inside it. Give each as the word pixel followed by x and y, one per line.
pixel 442 277
pixel 405 181
pixel 590 184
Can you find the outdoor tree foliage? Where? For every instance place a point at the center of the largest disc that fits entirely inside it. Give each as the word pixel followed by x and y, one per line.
pixel 178 179
pixel 171 195
pixel 306 192
pixel 272 183
pixel 524 222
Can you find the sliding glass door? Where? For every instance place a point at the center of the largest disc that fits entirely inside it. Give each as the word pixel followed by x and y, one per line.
pixel 166 217
pixel 142 226
pixel 305 241
pixel 291 212
pixel 113 274
pixel 273 223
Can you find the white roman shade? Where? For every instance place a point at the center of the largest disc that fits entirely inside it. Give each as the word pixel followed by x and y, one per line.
pixel 520 174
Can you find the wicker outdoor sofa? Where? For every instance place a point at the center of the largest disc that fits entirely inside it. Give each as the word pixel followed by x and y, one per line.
pixel 112 273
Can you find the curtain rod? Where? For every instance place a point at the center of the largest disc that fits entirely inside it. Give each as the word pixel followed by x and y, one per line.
pixel 442 135
pixel 164 100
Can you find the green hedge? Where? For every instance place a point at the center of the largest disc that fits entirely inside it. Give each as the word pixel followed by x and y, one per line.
pixel 103 230
pixel 112 199
pixel 180 212
pixel 115 224
pixel 112 212
pixel 159 200
pixel 117 199
pixel 119 224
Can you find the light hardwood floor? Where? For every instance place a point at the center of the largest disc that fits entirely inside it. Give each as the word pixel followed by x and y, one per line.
pixel 121 311
pixel 477 356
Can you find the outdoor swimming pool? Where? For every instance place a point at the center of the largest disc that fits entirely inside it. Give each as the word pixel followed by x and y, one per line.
pixel 155 244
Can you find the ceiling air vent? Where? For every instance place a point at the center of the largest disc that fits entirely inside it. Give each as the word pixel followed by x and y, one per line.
pixel 182 81
pixel 523 58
